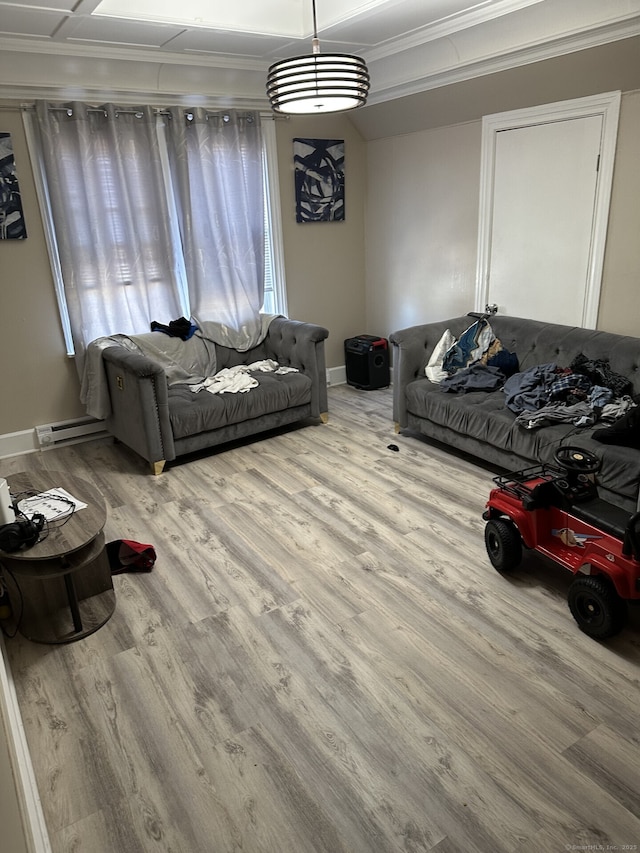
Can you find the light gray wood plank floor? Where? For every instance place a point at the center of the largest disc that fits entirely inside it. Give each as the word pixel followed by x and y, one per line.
pixel 324 660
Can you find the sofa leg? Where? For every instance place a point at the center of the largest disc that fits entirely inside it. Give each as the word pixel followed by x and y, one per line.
pixel 396 427
pixel 324 417
pixel 158 467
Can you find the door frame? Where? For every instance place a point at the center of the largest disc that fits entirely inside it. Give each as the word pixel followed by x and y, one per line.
pixel 606 105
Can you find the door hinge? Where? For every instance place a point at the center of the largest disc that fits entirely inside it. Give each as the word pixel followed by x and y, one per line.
pixel 598 164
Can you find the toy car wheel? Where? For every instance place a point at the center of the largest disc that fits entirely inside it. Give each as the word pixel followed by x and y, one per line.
pixel 504 545
pixel 596 607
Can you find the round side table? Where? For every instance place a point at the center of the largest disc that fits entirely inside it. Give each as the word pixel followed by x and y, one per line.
pixel 65 579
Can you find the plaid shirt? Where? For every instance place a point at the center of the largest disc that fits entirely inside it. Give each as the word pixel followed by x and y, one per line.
pixel 570 383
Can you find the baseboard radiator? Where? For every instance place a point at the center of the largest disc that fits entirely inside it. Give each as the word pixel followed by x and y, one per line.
pixel 62 433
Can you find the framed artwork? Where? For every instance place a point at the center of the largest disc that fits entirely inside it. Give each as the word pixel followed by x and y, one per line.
pixel 319 179
pixel 12 226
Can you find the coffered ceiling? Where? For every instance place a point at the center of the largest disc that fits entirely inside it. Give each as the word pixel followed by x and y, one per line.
pixel 410 45
pixel 262 30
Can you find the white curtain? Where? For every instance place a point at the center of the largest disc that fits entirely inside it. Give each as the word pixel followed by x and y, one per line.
pixel 217 168
pixel 112 225
pixel 139 240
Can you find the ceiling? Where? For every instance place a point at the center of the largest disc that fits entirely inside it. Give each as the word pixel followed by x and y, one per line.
pixel 410 45
pixel 263 30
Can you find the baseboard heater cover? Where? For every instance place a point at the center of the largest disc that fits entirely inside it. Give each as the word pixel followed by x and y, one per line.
pixel 69 432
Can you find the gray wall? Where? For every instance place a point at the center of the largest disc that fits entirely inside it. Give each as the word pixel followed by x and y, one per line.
pixel 39 383
pixel 325 260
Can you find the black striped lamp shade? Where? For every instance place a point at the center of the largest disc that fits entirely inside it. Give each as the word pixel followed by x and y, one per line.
pixel 320 83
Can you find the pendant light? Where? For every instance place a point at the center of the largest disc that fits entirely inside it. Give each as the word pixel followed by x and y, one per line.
pixel 320 83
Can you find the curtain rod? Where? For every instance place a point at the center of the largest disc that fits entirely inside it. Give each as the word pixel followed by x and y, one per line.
pixel 157 111
pixel 132 111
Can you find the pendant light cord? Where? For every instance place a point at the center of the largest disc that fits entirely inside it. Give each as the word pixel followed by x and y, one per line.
pixel 315 41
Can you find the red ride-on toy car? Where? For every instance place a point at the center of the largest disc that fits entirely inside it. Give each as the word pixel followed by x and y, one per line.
pixel 557 512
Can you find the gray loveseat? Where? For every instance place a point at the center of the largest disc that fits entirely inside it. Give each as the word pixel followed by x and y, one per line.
pixel 162 421
pixel 479 422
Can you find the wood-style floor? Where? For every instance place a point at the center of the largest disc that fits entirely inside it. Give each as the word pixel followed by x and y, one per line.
pixel 324 660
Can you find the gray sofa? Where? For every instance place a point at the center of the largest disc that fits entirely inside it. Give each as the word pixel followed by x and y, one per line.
pixel 479 423
pixel 162 421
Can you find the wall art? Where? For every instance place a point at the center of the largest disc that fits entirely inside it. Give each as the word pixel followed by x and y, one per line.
pixel 319 179
pixel 12 225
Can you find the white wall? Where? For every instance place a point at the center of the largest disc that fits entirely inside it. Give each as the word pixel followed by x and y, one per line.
pixel 422 222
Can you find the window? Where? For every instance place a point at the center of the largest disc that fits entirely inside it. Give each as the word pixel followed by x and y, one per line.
pixel 112 201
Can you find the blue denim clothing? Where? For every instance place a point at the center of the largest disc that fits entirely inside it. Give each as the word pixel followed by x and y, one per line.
pixel 529 391
pixel 461 353
pixel 600 397
pixel 477 377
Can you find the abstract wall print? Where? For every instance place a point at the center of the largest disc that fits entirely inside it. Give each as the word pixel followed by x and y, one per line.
pixel 12 226
pixel 319 177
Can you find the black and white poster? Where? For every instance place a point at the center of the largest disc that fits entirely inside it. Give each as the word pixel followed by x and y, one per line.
pixel 319 178
pixel 12 226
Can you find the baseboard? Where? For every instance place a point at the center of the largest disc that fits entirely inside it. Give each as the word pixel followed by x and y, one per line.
pixel 337 375
pixel 17 443
pixel 29 823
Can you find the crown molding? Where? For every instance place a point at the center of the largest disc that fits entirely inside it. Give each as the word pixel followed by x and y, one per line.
pixel 127 54
pixel 505 60
pixel 447 27
pixel 26 95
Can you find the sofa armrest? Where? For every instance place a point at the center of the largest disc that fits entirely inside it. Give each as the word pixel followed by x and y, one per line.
pixel 411 350
pixel 139 404
pixel 293 343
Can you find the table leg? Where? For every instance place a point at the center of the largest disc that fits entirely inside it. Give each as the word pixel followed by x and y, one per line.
pixel 73 602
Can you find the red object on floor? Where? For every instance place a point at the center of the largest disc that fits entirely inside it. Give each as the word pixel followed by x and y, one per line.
pixel 125 555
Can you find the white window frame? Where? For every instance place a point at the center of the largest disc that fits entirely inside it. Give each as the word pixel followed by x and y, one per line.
pixel 273 215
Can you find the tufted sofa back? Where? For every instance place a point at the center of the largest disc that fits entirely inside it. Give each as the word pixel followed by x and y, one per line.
pixel 535 342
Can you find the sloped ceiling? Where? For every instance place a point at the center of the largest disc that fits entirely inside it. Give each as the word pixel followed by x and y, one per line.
pixel 219 50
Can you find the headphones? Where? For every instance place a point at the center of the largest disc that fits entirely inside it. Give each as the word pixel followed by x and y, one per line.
pixel 23 533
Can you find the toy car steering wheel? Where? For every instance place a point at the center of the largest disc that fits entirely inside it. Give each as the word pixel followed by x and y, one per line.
pixel 576 460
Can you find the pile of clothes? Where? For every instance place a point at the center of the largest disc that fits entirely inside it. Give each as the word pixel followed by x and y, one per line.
pixel 547 394
pixel 238 379
pixel 476 361
pixel 583 394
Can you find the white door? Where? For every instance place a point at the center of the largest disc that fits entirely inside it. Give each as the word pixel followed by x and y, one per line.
pixel 544 198
pixel 545 191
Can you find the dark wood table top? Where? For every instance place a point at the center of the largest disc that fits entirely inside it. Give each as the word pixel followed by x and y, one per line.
pixel 80 529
